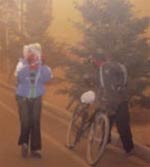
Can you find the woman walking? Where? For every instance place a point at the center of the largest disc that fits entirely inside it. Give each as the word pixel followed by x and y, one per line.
pixel 31 76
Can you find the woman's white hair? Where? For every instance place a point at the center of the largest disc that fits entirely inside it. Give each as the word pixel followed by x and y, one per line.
pixel 34 48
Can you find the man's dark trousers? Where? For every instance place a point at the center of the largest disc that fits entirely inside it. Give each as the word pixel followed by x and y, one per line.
pixel 122 120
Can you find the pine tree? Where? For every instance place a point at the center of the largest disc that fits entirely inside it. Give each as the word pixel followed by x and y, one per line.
pixel 37 19
pixel 23 22
pixel 112 26
pixel 9 30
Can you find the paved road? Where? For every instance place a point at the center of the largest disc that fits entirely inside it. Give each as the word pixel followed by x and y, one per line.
pixel 55 154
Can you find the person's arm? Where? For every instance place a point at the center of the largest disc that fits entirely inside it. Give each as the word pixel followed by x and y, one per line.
pixel 18 68
pixel 23 74
pixel 21 64
pixel 124 69
pixel 46 74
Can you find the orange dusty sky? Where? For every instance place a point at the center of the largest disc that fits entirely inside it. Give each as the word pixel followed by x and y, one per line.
pixel 64 13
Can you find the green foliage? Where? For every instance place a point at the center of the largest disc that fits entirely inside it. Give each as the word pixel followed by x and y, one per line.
pixel 37 19
pixel 9 28
pixel 23 22
pixel 111 25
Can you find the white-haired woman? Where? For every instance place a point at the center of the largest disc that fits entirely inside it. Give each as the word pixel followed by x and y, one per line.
pixel 31 76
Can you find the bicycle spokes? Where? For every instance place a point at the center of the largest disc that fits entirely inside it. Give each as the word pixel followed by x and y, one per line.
pixel 97 139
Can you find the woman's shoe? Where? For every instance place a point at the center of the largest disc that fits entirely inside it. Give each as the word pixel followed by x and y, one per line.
pixel 130 153
pixel 36 154
pixel 24 150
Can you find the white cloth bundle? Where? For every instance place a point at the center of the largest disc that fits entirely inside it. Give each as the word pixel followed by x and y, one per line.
pixel 88 97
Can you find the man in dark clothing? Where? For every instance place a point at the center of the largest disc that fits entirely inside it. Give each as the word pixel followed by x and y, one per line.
pixel 113 81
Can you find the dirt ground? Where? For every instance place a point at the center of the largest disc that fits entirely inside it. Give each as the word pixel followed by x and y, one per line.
pixel 140 117
pixel 54 152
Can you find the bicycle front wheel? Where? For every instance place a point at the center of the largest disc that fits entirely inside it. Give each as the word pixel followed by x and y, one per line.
pixel 75 126
pixel 97 139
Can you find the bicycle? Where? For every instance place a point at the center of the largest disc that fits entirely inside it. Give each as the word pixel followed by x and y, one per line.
pixel 96 126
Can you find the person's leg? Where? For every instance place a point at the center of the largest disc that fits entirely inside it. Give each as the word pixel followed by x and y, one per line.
pixel 111 122
pixel 23 110
pixel 123 126
pixel 24 120
pixel 35 127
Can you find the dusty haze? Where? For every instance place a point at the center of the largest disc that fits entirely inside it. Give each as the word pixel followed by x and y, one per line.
pixel 63 11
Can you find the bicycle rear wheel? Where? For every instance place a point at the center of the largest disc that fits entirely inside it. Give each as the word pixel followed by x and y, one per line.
pixel 97 139
pixel 75 127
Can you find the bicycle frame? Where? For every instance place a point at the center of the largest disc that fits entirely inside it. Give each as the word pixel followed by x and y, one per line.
pixel 86 122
